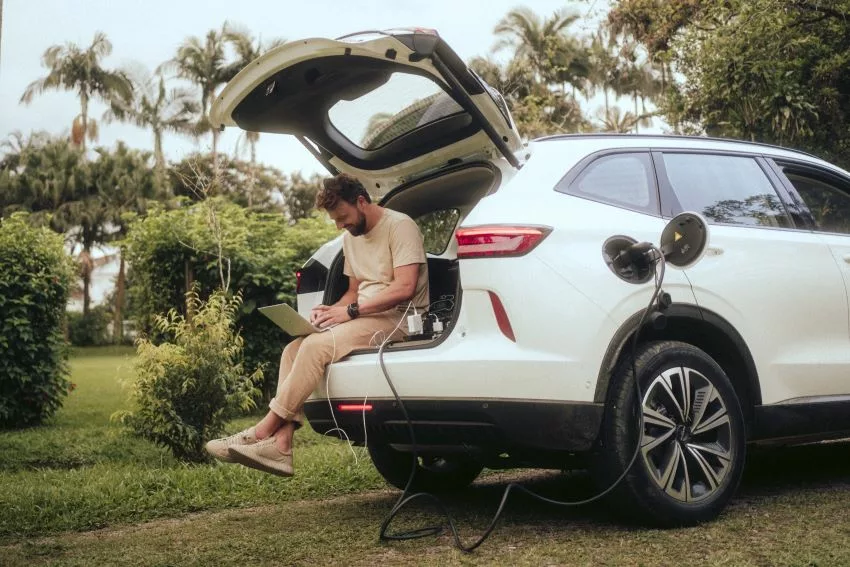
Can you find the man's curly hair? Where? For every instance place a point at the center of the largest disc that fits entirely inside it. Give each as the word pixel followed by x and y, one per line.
pixel 342 187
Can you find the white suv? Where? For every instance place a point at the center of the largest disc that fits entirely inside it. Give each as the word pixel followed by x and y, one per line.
pixel 532 366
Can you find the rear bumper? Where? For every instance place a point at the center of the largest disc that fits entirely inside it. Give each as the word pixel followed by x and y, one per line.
pixel 485 425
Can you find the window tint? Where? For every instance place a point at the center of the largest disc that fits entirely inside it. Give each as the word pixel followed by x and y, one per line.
pixel 625 180
pixel 724 189
pixel 438 228
pixel 830 206
pixel 395 108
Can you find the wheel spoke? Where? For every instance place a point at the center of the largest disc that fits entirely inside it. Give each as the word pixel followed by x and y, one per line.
pixel 675 465
pixel 666 383
pixel 652 417
pixel 718 418
pixel 649 442
pixel 714 477
pixel 702 398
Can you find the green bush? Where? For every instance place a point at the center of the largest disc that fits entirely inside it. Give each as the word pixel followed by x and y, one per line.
pixel 35 277
pixel 187 390
pixel 170 250
pixel 90 329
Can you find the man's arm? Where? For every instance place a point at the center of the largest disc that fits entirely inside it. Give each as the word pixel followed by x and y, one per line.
pixel 350 296
pixel 401 289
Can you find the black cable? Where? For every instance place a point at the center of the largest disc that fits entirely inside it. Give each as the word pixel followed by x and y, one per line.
pixel 434 530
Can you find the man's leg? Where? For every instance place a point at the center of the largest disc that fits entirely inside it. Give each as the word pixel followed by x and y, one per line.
pixel 272 422
pixel 313 355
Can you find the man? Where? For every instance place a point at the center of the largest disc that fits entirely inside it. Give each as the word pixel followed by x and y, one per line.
pixel 387 272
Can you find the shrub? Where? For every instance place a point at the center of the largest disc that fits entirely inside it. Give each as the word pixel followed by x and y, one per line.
pixel 169 251
pixel 35 278
pixel 90 329
pixel 187 390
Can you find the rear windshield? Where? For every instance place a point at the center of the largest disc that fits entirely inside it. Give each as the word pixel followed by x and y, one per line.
pixel 402 104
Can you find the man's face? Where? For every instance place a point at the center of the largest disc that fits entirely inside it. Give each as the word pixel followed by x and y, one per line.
pixel 350 217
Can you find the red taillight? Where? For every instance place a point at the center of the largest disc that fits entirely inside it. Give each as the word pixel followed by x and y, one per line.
pixel 502 316
pixel 298 281
pixel 354 407
pixel 498 241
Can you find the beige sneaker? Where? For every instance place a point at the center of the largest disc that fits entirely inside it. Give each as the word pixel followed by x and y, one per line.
pixel 218 447
pixel 263 456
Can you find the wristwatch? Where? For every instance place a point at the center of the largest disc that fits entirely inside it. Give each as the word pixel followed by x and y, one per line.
pixel 354 310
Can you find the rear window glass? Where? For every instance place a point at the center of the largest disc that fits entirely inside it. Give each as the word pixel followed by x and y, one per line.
pixel 725 189
pixel 402 104
pixel 437 229
pixel 625 180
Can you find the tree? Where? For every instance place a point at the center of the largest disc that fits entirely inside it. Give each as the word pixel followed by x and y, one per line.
pixel 300 195
pixel 203 62
pixel 769 70
pixel 531 36
pixel 195 177
pixel 125 182
pixel 160 110
pixel 80 70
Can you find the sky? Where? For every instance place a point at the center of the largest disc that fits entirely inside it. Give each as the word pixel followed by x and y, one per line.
pixel 149 32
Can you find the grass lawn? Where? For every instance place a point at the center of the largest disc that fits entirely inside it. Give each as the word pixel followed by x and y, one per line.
pixel 81 472
pixel 62 482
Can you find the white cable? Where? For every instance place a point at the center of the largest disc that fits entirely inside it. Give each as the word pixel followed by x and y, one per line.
pixel 330 405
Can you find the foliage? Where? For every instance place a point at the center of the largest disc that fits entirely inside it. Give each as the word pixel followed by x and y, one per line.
pixel 35 276
pixel 156 108
pixel 187 389
pixel 80 70
pixel 768 70
pixel 300 195
pixel 89 329
pixel 170 249
pixel 243 183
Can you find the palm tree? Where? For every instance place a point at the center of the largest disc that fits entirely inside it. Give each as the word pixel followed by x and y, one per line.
pixel 531 36
pixel 203 62
pixel 160 110
pixel 615 120
pixel 247 50
pixel 80 70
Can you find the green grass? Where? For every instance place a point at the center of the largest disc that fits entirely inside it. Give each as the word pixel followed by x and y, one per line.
pixel 81 471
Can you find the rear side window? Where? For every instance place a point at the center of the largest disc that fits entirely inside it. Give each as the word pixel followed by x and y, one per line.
pixel 828 202
pixel 724 189
pixel 624 179
pixel 437 229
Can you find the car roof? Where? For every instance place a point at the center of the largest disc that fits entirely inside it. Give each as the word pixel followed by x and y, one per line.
pixel 604 140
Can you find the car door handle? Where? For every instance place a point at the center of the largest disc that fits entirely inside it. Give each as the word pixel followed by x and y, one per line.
pixel 847 258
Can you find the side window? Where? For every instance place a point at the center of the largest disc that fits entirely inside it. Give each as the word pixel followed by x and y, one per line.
pixel 829 205
pixel 724 189
pixel 438 229
pixel 625 180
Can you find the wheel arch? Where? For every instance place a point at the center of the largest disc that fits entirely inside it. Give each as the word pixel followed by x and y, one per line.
pixel 701 328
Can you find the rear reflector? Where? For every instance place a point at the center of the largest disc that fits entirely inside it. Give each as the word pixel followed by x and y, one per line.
pixel 298 281
pixel 502 317
pixel 498 240
pixel 354 407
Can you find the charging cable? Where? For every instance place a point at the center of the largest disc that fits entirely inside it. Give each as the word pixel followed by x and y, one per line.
pixel 404 499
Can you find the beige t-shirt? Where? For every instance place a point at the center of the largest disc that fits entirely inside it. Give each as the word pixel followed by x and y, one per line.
pixel 370 258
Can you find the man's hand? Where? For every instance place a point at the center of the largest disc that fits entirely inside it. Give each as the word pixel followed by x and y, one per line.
pixel 324 316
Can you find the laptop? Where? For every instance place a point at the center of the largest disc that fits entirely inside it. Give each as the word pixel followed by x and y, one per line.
pixel 289 320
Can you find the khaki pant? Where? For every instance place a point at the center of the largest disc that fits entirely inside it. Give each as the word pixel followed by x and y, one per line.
pixel 304 360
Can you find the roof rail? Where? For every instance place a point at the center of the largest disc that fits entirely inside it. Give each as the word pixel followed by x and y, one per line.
pixel 673 136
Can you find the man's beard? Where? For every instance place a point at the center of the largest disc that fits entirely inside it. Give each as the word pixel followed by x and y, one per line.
pixel 359 228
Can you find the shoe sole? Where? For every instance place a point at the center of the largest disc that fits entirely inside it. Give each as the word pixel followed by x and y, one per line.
pixel 258 465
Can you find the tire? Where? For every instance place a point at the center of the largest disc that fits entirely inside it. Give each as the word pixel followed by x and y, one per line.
pixel 433 474
pixel 689 465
